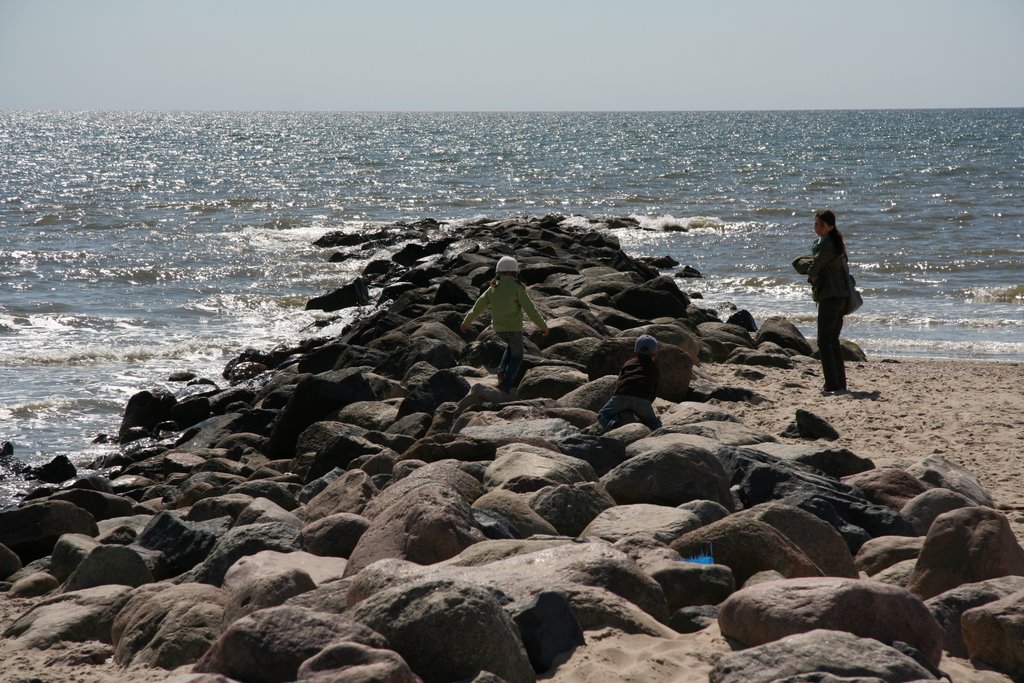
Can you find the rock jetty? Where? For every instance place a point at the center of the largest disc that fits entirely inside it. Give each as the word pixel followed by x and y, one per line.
pixel 369 506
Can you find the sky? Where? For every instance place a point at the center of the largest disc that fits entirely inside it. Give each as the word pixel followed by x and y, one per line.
pixel 526 55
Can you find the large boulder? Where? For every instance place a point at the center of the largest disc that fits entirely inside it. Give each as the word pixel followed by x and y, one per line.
pixel 351 492
pixel 592 395
pixel 443 386
pixel 167 626
pixel 994 634
pixel 769 611
pixel 747 546
pixel 965 546
pixel 313 399
pixel 938 472
pixel 815 537
pixel 603 585
pixel 662 523
pixel 335 535
pixel 923 509
pixel 77 616
pixel 514 508
pixel 349 662
pixel 9 562
pixel 516 460
pixel 890 486
pixel 497 429
pixel 550 382
pixel 779 330
pixel 668 470
pixel 110 564
pixel 948 607
pixel 478 634
pixel 270 645
pixel 820 655
pixel 183 543
pixel 883 552
pixel 32 530
pixel 240 542
pixel 571 507
pixel 429 524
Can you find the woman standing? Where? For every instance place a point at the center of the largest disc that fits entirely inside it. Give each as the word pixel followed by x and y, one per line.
pixel 827 274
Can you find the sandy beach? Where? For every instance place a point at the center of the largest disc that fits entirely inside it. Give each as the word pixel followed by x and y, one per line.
pixel 898 412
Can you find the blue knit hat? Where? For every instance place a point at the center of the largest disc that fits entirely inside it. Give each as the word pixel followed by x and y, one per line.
pixel 646 345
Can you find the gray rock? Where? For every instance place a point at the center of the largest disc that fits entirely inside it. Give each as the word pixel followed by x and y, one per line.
pixel 833 461
pixel 882 552
pixel 334 535
pixel 349 662
pixel 662 523
pixel 569 508
pixel 110 564
pixel 314 398
pixel 479 634
pixel 264 511
pixel 32 530
pixel 240 542
pixel 68 553
pixel 591 396
pixel 547 628
pixel 77 616
pixel 948 607
pixel 994 634
pixel 524 460
pixel 351 492
pixel 443 386
pixel 747 546
pixel 815 537
pixel 603 585
pixel 270 645
pixel 938 472
pixel 824 656
pixel 921 510
pixel 9 562
pixel 811 426
pixel 101 505
pixel 550 382
pixel 548 429
pixel 260 589
pixel 688 584
pixel 373 415
pixel 183 544
pixel 780 331
pixel 167 626
pixel 515 509
pixel 966 546
pixel 690 412
pixel 34 585
pixel 429 524
pixel 668 470
pixel 770 611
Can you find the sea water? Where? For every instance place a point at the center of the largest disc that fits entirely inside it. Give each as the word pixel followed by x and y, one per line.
pixel 134 244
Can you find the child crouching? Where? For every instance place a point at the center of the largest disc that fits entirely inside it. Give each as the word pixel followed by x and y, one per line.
pixel 636 387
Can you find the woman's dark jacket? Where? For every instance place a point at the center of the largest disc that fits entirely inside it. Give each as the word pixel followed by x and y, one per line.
pixel 828 266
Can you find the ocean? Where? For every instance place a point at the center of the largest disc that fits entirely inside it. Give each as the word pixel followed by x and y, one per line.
pixel 135 244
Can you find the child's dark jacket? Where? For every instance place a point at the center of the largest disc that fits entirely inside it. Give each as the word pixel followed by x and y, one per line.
pixel 639 377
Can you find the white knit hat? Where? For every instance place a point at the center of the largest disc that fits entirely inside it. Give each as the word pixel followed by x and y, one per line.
pixel 507 264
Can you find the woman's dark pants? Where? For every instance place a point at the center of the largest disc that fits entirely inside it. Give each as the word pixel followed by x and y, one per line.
pixel 830 324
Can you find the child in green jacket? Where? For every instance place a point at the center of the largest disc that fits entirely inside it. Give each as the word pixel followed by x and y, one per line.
pixel 507 299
